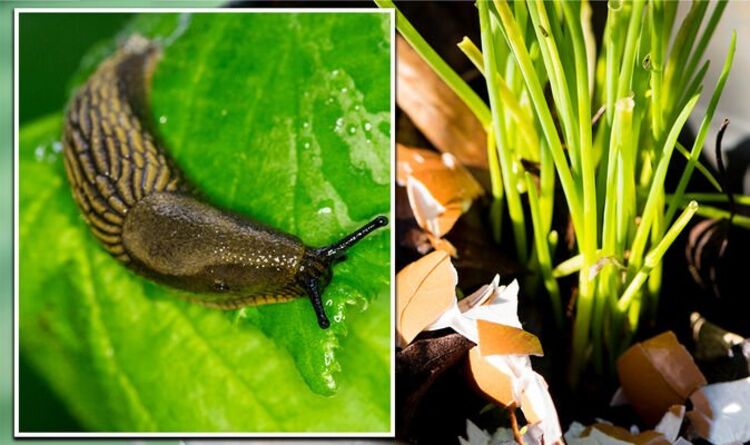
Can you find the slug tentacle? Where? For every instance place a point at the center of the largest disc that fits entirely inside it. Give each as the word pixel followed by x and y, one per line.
pixel 315 270
pixel 313 290
pixel 339 248
pixel 145 214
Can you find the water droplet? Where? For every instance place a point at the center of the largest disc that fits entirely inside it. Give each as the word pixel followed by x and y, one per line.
pixel 344 90
pixel 39 153
pixel 329 302
pixel 305 124
pixel 306 145
pixel 359 303
pixel 368 126
pixel 363 304
pixel 162 119
pixel 324 210
pixel 357 108
pixel 335 73
pixel 57 146
pixel 338 317
pixel 352 129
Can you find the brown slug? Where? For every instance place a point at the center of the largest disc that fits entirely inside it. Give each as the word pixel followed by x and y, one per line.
pixel 142 210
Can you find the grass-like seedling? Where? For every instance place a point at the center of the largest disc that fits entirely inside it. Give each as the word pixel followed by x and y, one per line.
pixel 546 81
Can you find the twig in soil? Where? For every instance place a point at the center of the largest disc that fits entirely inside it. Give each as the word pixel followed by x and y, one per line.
pixel 722 169
pixel 514 424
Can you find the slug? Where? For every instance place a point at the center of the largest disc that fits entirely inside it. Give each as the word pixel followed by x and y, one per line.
pixel 142 210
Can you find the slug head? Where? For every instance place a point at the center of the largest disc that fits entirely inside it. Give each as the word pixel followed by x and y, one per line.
pixel 315 270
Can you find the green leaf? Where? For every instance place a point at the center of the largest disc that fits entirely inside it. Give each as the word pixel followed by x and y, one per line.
pixel 275 116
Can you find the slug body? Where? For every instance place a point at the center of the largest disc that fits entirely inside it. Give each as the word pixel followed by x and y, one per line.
pixel 141 209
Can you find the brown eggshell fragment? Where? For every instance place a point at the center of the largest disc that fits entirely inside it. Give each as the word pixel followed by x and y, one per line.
pixel 657 374
pixel 701 414
pixel 436 110
pixel 438 187
pixel 495 384
pixel 671 423
pixel 501 339
pixel 424 290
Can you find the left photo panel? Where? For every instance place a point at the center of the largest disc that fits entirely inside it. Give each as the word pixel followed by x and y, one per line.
pixel 203 223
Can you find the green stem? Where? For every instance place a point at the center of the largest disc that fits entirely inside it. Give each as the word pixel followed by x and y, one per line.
pixel 657 186
pixel 515 207
pixel 516 42
pixel 542 249
pixel 703 131
pixel 699 166
pixel 429 55
pixel 654 256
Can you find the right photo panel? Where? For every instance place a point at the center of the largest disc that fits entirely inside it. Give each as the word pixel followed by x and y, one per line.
pixel 572 222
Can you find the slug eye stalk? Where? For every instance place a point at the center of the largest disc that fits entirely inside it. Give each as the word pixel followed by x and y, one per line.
pixel 315 271
pixel 338 249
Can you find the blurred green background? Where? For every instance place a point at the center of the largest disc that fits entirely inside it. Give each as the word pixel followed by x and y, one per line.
pixel 46 45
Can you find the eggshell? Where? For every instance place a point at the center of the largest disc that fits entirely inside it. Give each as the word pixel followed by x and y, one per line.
pixel 721 412
pixel 501 339
pixel 439 187
pixel 490 380
pixel 424 290
pixel 657 374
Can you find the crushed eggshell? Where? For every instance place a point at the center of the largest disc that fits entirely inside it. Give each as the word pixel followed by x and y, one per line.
pixel 539 409
pixel 618 398
pixel 426 288
pixel 475 435
pixel 438 187
pixel 501 436
pixel 721 412
pixel 490 380
pixel 514 382
pixel 501 339
pixel 503 371
pixel 657 374
pixel 671 422
pixel 607 434
pixel 493 303
pixel 480 296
